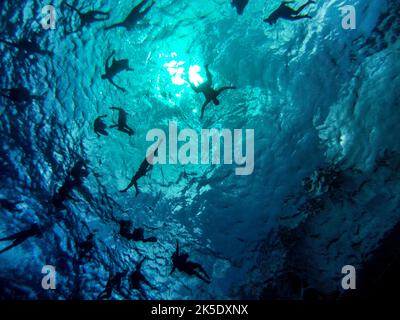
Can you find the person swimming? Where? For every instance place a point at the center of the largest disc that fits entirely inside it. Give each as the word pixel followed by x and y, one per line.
pixel 137 235
pixel 114 282
pixel 28 45
pixel 19 95
pixel 122 122
pixel 137 278
pixel 19 237
pixel 181 262
pixel 209 93
pixel 133 17
pixel 240 5
pixel 100 127
pixel 116 67
pixel 10 206
pixel 145 167
pixel 89 17
pixel 85 247
pixel 285 12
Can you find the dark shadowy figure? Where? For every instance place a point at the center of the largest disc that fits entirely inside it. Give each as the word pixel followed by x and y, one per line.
pixel 19 95
pixel 122 122
pixel 209 93
pixel 285 12
pixel 116 67
pixel 27 45
pixel 19 237
pixel 125 227
pixel 85 247
pixel 10 205
pixel 114 282
pixel 133 17
pixel 182 263
pixel 145 167
pixel 137 278
pixel 75 179
pixel 100 127
pixel 89 17
pixel 240 5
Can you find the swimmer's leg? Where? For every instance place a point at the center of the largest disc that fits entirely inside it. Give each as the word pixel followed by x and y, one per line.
pixel 198 275
pixel 103 16
pixel 117 86
pixel 224 89
pixel 124 130
pixel 298 17
pixel 208 73
pixel 301 8
pixel 130 130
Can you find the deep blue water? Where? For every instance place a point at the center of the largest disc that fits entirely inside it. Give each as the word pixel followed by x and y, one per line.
pixel 324 105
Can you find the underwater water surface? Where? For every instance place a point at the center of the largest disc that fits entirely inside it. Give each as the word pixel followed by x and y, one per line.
pixel 323 102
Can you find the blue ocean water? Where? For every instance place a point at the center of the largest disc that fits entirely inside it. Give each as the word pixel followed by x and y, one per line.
pixel 324 105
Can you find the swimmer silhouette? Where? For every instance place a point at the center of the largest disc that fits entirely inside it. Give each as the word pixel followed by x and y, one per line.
pixel 122 119
pixel 209 93
pixel 100 127
pixel 27 45
pixel 10 205
pixel 136 278
pixel 240 5
pixel 85 247
pixel 116 67
pixel 285 12
pixel 19 95
pixel 181 262
pixel 145 167
pixel 19 237
pixel 133 17
pixel 125 227
pixel 114 282
pixel 89 17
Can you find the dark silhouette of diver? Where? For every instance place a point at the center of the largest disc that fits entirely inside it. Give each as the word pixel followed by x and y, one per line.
pixel 27 45
pixel 116 67
pixel 19 237
pixel 100 127
pixel 122 120
pixel 85 247
pixel 136 279
pixel 10 205
pixel 181 262
pixel 209 93
pixel 125 227
pixel 145 167
pixel 19 95
pixel 89 17
pixel 75 179
pixel 114 282
pixel 240 5
pixel 133 17
pixel 285 12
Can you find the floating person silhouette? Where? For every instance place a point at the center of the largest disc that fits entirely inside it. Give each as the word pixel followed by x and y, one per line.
pixel 137 278
pixel 181 262
pixel 28 45
pixel 10 205
pixel 285 12
pixel 209 93
pixel 116 67
pixel 114 282
pixel 19 237
pixel 75 179
pixel 20 95
pixel 122 122
pixel 85 247
pixel 145 167
pixel 89 17
pixel 133 17
pixel 240 5
pixel 125 227
pixel 100 127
